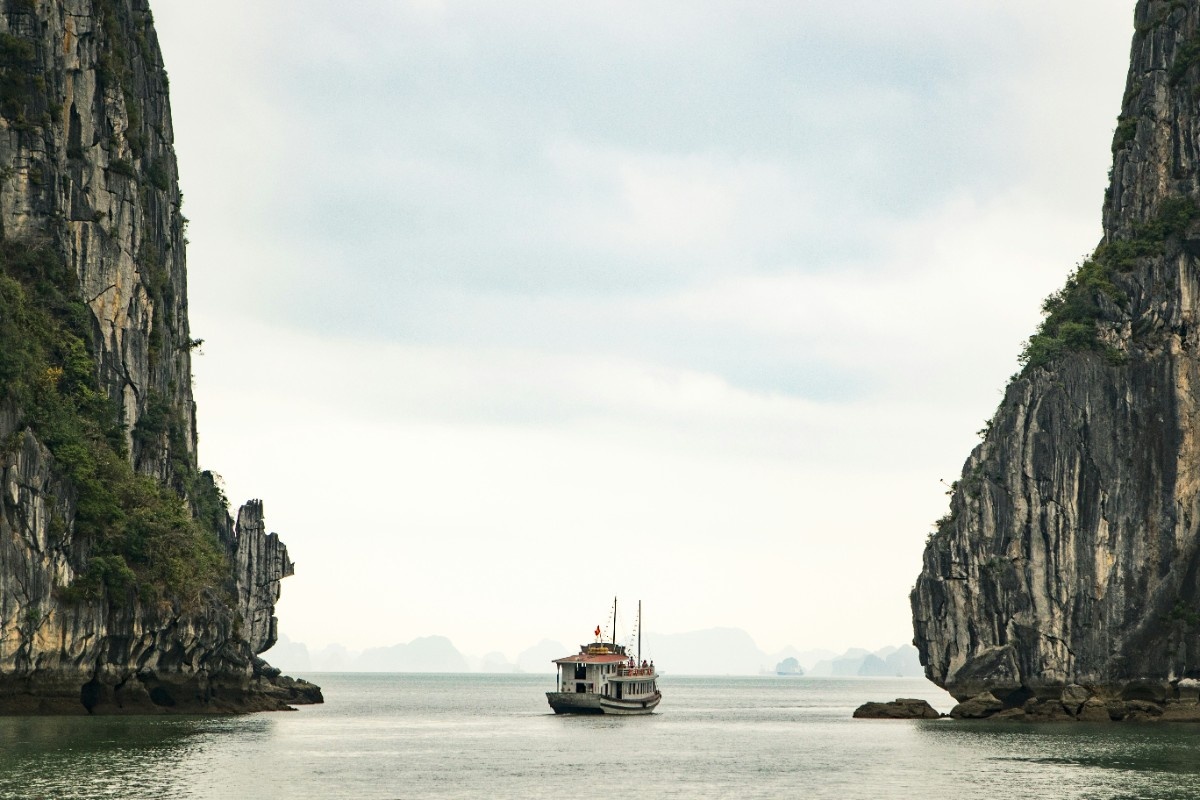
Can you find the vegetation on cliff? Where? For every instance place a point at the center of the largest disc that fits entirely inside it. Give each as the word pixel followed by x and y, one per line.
pixel 141 537
pixel 167 601
pixel 1092 294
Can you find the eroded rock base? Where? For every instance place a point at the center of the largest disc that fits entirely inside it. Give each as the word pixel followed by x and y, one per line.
pixel 1134 702
pixel 148 694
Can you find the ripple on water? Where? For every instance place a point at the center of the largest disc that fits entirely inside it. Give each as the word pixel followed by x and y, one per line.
pixel 423 736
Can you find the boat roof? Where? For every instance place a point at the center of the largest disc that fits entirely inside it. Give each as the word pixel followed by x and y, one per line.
pixel 593 658
pixel 596 653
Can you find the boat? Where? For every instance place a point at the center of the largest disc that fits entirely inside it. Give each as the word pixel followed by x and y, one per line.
pixel 602 678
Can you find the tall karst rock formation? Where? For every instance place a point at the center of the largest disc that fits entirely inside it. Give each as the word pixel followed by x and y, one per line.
pixel 1065 579
pixel 124 583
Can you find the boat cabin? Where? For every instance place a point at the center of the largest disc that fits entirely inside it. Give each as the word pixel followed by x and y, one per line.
pixel 590 670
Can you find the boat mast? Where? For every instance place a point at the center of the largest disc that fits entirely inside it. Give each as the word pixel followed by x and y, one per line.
pixel 639 656
pixel 614 641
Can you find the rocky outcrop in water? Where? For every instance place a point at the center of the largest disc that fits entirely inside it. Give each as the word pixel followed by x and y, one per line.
pixel 1065 580
pixel 900 708
pixel 125 584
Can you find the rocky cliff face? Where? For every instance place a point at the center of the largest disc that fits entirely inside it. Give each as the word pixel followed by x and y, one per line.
pixel 1065 580
pixel 125 585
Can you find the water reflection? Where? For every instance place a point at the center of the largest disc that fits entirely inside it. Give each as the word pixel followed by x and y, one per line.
pixel 450 737
pixel 1153 761
pixel 90 757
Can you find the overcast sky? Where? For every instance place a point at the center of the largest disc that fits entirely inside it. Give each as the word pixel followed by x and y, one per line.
pixel 512 307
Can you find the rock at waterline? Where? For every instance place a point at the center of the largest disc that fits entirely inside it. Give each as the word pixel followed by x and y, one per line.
pixel 980 706
pixel 900 708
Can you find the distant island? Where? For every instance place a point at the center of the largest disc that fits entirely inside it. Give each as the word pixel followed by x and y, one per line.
pixel 715 651
pixel 789 667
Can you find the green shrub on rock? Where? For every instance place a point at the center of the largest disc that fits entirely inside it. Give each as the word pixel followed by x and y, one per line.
pixel 1071 314
pixel 142 541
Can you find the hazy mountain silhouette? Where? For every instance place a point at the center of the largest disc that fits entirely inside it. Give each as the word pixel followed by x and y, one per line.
pixel 426 654
pixel 714 651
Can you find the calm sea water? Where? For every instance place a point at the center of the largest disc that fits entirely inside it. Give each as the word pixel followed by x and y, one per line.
pixel 450 736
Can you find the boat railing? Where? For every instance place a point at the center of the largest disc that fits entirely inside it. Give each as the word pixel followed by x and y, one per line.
pixel 635 671
pixel 602 649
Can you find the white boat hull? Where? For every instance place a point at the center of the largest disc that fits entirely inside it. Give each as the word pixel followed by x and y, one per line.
pixel 630 706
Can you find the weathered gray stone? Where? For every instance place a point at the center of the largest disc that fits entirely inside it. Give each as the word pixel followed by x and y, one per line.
pixel 1009 714
pixel 1134 710
pixel 1093 710
pixel 1146 691
pixel 1071 553
pixel 1073 698
pixel 1180 712
pixel 1042 710
pixel 1187 691
pixel 12 491
pixel 990 670
pixel 981 706
pixel 901 708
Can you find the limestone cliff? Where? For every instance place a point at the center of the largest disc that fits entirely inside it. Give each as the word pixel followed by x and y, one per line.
pixel 1065 579
pixel 125 585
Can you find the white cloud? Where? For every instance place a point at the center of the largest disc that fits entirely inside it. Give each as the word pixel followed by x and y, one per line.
pixel 702 210
pixel 488 289
pixel 416 519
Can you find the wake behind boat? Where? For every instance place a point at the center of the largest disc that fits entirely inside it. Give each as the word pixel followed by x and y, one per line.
pixel 603 679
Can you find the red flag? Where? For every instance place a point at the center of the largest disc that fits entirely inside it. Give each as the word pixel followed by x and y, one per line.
pixel 597 631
